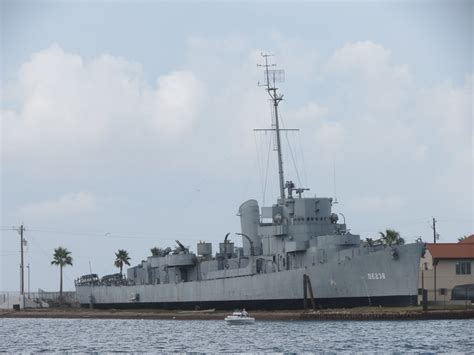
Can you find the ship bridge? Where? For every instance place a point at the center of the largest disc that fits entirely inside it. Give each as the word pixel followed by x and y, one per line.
pixel 290 224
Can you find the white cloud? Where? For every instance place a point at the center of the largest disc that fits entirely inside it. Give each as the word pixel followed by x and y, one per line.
pixel 367 78
pixel 293 54
pixel 394 134
pixel 101 113
pixel 383 108
pixel 68 205
pixel 72 107
pixel 310 111
pixel 420 152
pixel 363 55
pixel 329 135
pixel 448 110
pixel 176 102
pixel 370 61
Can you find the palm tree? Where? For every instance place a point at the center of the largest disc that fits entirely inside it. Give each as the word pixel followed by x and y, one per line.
pixel 155 251
pixel 121 259
pixel 391 237
pixel 62 258
pixel 369 241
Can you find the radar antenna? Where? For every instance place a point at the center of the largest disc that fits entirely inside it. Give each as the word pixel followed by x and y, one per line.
pixel 271 77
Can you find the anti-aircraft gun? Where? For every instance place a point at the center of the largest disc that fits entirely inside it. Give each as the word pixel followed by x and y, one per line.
pixel 180 249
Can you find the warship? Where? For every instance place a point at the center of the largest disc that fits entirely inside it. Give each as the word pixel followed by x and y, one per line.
pixel 293 252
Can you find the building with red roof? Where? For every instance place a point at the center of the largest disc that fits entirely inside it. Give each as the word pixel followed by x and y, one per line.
pixel 468 240
pixel 447 271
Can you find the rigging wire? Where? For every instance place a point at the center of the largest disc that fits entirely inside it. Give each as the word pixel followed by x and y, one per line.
pixel 305 175
pixel 260 166
pixel 268 168
pixel 291 151
pixel 295 163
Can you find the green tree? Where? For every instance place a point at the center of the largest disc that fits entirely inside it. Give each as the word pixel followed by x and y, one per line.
pixel 460 239
pixel 155 251
pixel 62 258
pixel 391 237
pixel 121 259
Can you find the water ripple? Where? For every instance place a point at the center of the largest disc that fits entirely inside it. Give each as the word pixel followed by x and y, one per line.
pixel 158 336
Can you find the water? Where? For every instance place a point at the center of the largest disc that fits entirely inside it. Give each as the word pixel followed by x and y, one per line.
pixel 97 335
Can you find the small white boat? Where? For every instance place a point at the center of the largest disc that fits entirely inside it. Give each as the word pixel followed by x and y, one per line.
pixel 239 317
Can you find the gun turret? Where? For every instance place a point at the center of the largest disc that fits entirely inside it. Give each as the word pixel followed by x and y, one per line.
pixel 183 248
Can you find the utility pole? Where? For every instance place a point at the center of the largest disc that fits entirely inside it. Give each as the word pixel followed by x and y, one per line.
pixel 28 267
pixel 22 271
pixel 435 262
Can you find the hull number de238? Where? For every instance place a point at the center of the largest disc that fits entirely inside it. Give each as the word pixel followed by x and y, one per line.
pixel 376 275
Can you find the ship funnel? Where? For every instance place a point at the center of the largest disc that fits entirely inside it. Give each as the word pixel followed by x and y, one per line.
pixel 249 221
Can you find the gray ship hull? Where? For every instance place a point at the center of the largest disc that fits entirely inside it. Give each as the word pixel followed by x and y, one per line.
pixel 357 279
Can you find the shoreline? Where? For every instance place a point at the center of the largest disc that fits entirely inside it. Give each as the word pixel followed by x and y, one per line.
pixel 356 314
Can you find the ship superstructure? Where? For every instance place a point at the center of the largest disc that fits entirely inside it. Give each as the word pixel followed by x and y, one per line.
pixel 292 247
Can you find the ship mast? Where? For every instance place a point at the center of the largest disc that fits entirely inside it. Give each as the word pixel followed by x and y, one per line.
pixel 271 77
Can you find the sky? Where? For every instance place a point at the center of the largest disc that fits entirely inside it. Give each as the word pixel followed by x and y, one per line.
pixel 129 125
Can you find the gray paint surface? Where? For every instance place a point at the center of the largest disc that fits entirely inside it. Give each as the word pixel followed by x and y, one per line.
pixel 339 265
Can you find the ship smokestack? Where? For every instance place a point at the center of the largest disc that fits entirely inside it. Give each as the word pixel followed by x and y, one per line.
pixel 249 221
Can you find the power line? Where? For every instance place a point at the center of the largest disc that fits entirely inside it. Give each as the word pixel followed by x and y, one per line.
pixel 152 235
pixel 169 239
pixel 8 229
pixel 48 254
pixel 21 230
pixel 94 234
pixel 455 220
